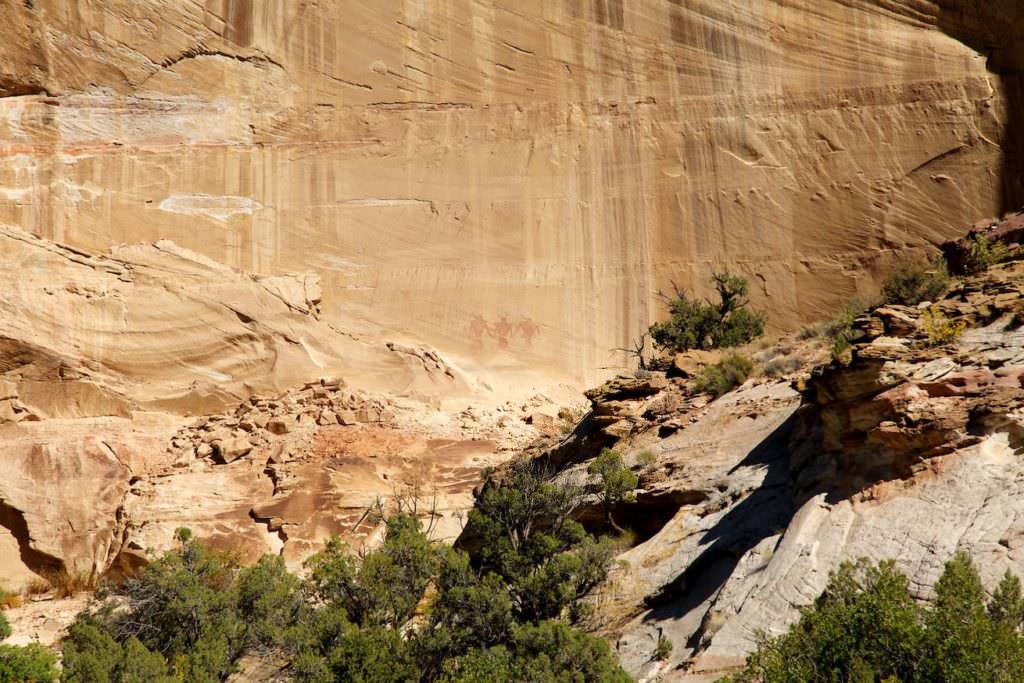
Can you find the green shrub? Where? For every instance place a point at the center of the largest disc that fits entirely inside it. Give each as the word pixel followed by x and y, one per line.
pixel 721 378
pixel 866 626
pixel 664 649
pixel 554 651
pixel 696 324
pixel 28 664
pixel 270 600
pixel 91 653
pixel 691 325
pixel 1007 604
pixel 184 607
pixel 471 611
pixel 373 653
pixel 528 538
pixel 616 482
pixel 140 664
pixel 984 252
pixel 409 610
pixel 384 586
pixel 548 652
pixel 840 330
pixel 183 610
pixel 912 282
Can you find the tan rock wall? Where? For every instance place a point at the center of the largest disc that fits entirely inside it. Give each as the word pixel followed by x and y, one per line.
pixel 509 181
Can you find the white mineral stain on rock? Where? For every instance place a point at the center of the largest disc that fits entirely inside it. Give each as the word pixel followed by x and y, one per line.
pixel 219 208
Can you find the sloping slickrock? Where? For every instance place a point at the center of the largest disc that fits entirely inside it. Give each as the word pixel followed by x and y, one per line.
pixel 160 327
pixel 905 451
pixel 728 472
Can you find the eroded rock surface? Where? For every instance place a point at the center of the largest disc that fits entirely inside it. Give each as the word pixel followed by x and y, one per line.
pixel 510 182
pixel 151 388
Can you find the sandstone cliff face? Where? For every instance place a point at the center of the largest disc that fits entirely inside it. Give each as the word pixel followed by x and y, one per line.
pixel 510 182
pixel 208 207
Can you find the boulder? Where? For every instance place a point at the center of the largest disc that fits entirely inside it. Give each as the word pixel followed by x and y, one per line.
pixel 229 450
pixel 281 425
pixel 627 387
pixel 541 421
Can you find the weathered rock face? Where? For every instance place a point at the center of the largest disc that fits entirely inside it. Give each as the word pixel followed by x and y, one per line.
pixel 151 388
pixel 510 182
pixel 208 205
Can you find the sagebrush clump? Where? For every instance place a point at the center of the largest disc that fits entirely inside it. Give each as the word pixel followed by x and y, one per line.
pixel 912 282
pixel 724 376
pixel 701 324
pixel 647 458
pixel 664 648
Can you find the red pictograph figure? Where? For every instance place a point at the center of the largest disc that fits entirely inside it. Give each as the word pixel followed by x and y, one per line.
pixel 528 329
pixel 503 330
pixel 478 329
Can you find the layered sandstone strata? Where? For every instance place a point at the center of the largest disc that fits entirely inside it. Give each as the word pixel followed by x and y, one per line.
pixel 511 182
pixel 151 388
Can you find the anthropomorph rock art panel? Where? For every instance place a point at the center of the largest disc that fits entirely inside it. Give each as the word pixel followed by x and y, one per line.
pixel 504 333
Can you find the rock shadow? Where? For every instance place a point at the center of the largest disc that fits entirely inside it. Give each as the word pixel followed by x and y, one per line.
pixel 766 512
pixel 14 521
pixel 993 28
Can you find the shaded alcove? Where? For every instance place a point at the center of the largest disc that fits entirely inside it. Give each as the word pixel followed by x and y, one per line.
pixel 993 29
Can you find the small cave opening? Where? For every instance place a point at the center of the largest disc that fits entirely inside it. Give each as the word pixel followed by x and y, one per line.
pixel 644 517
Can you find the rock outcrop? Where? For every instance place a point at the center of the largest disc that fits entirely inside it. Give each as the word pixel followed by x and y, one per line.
pixel 907 449
pixel 510 183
